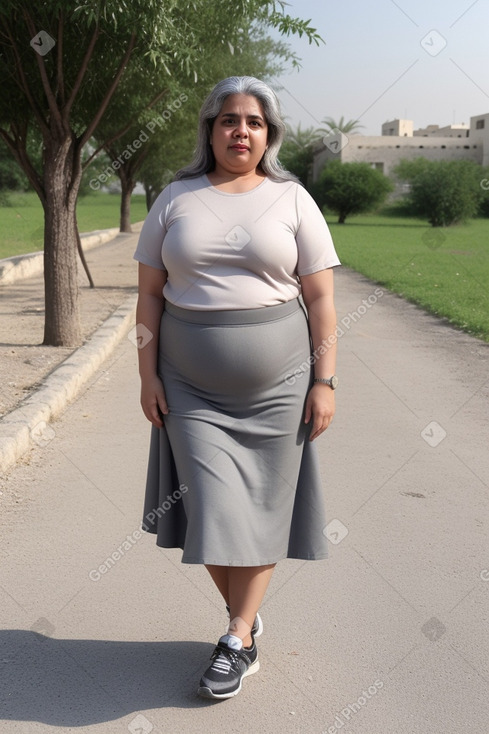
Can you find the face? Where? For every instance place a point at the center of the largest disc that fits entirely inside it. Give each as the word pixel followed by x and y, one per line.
pixel 239 135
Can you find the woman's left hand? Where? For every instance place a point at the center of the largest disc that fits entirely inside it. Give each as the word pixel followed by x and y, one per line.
pixel 320 405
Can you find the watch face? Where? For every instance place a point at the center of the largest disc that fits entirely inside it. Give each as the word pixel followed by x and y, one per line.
pixel 334 382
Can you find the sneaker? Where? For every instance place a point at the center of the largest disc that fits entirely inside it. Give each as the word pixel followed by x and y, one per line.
pixel 257 628
pixel 230 664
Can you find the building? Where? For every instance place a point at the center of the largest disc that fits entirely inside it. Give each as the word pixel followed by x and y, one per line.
pixel 399 140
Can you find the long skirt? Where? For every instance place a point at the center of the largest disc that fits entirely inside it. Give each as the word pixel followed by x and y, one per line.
pixel 233 479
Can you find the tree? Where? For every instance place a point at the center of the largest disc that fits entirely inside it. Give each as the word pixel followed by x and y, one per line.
pixel 443 192
pixel 61 62
pixel 344 126
pixel 350 188
pixel 297 151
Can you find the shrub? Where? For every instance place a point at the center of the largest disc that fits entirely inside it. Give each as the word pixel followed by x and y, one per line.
pixel 443 192
pixel 350 188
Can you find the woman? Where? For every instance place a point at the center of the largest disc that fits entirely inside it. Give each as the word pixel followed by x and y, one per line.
pixel 225 363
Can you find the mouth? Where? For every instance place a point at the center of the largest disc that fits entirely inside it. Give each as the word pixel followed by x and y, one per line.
pixel 238 146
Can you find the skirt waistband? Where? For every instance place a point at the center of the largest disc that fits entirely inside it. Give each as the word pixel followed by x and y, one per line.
pixel 235 316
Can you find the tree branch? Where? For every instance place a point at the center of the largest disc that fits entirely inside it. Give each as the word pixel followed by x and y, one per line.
pixel 23 85
pixel 122 131
pixel 51 99
pixel 60 82
pixel 17 144
pixel 82 71
pixel 98 116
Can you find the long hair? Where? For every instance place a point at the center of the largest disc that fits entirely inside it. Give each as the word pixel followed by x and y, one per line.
pixel 204 160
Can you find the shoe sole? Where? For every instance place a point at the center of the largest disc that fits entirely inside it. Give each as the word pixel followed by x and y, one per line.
pixel 206 692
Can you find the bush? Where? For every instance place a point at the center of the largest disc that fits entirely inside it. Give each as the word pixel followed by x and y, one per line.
pixel 350 188
pixel 443 192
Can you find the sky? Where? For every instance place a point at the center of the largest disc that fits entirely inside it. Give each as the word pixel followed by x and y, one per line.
pixel 421 60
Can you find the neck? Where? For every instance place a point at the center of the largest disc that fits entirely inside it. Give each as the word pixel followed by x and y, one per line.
pixel 221 175
pixel 235 183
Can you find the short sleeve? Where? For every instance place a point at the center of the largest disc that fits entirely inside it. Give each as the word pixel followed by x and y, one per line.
pixel 315 246
pixel 148 250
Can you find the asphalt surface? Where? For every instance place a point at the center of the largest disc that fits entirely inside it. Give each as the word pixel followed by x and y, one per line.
pixel 389 635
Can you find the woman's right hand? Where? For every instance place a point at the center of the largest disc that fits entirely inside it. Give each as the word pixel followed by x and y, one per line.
pixel 153 400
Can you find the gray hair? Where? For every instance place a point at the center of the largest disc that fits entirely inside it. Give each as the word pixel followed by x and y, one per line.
pixel 204 160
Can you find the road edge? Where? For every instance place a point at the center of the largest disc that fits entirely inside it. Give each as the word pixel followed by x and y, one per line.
pixel 28 424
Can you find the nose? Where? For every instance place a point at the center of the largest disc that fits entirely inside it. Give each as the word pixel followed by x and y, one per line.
pixel 241 131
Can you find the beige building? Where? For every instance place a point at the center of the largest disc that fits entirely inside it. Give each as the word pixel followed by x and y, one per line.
pixel 400 140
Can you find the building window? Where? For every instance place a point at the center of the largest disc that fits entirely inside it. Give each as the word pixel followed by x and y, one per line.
pixel 479 125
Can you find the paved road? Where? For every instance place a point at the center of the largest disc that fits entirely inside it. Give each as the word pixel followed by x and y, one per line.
pixel 387 636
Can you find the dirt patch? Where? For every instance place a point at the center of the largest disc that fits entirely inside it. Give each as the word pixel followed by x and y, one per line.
pixel 24 361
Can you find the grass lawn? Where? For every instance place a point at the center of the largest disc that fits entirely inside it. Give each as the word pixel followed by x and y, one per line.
pixel 444 270
pixel 21 223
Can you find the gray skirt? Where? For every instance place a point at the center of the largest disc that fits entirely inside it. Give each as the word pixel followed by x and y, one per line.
pixel 232 478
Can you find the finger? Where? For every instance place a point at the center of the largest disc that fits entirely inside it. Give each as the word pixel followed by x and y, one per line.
pixel 152 414
pixel 163 405
pixel 319 428
pixel 308 414
pixel 156 418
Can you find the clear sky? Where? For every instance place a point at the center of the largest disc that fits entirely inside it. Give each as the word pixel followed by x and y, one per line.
pixel 375 65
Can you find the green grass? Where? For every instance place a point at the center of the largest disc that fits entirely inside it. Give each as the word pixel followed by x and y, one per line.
pixel 444 270
pixel 22 228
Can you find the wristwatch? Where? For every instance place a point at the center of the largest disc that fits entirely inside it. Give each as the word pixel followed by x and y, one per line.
pixel 332 381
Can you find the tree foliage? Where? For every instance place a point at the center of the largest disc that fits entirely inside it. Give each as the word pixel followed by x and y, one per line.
pixel 345 126
pixel 297 151
pixel 350 188
pixel 61 63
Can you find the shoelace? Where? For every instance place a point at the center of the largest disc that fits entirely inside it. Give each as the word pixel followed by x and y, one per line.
pixel 224 659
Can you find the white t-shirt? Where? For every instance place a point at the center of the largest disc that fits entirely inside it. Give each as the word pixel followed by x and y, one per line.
pixel 234 251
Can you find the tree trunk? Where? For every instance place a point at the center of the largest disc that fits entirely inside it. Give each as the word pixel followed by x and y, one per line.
pixel 127 186
pixel 341 218
pixel 61 182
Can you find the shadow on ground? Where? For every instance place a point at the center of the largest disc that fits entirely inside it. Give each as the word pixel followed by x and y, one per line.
pixel 81 682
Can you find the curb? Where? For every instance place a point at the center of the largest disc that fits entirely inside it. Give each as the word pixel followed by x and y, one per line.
pixel 24 266
pixel 29 422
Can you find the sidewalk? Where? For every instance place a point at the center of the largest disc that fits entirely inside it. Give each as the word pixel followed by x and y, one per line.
pixel 387 636
pixel 24 362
